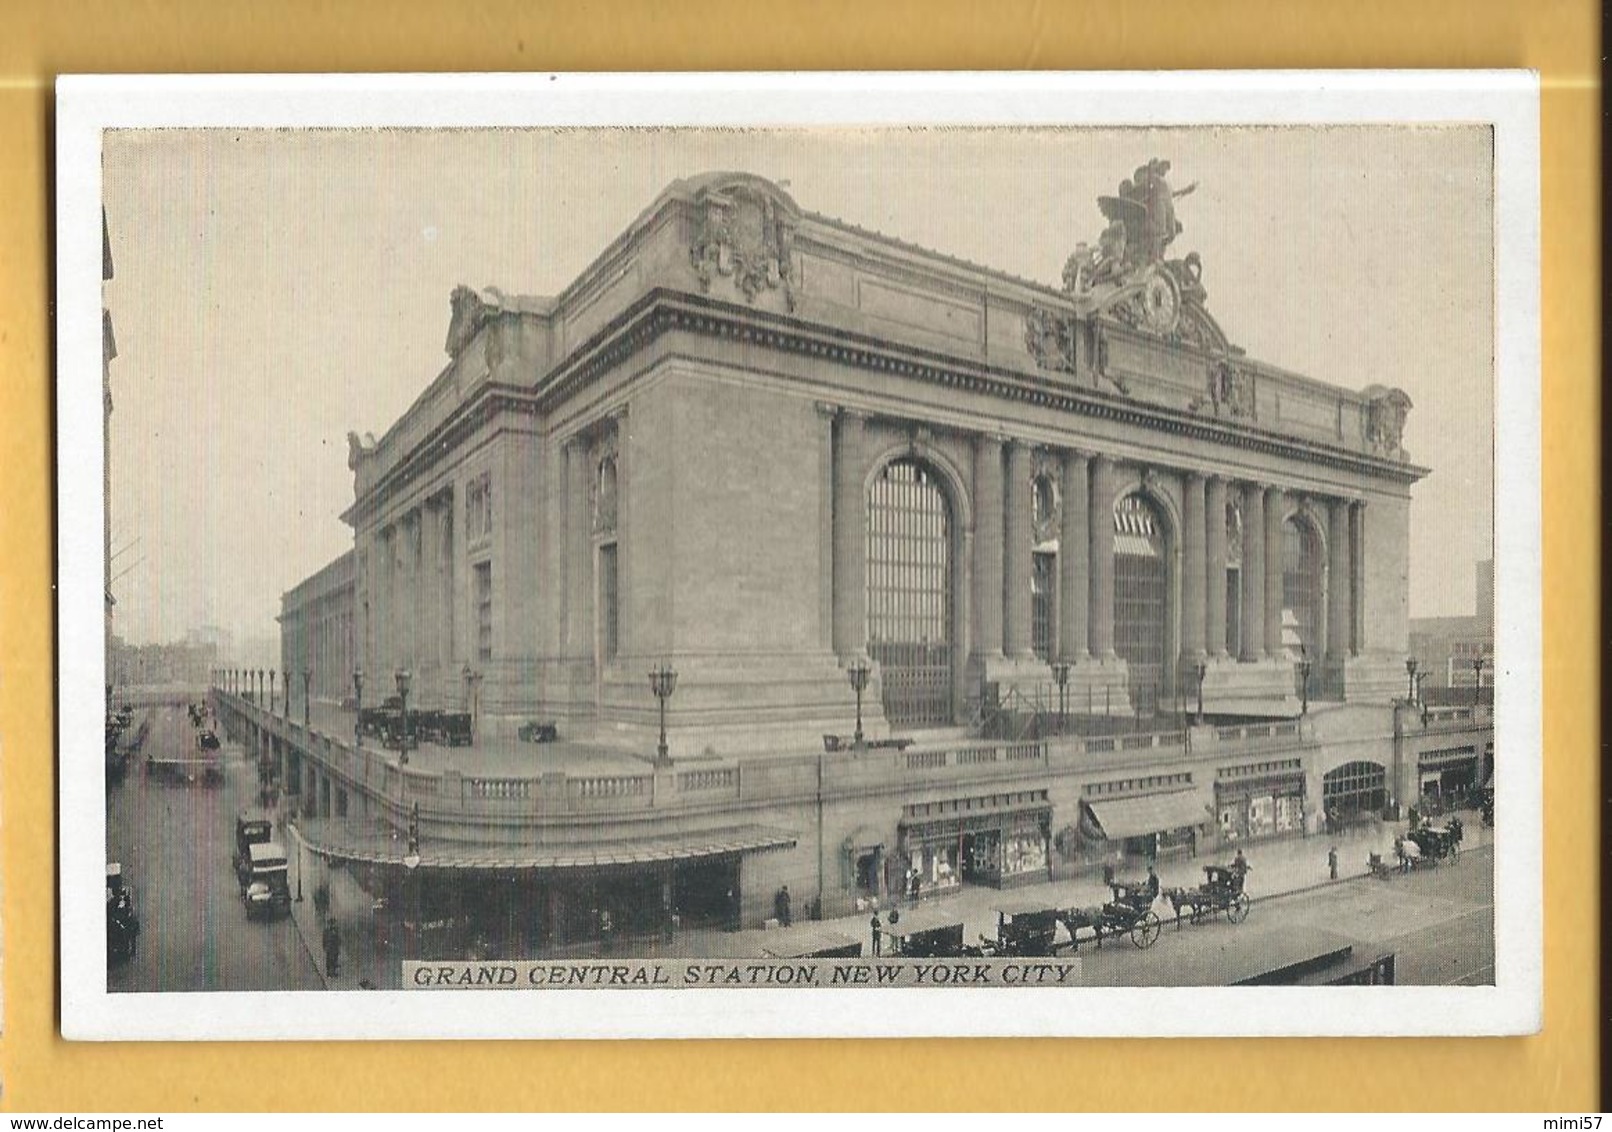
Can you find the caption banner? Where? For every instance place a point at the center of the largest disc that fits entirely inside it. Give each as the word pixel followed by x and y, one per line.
pixel 683 974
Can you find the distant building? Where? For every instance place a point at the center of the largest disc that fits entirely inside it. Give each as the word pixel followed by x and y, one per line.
pixel 158 665
pixel 1458 652
pixel 316 631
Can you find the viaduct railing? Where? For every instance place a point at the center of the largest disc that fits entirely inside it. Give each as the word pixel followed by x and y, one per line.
pixel 464 794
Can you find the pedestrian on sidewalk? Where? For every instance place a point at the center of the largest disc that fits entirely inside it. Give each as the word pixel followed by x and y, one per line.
pixel 780 906
pixel 1332 862
pixel 332 942
pixel 876 925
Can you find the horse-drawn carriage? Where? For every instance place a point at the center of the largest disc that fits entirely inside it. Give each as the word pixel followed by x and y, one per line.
pixel 1438 843
pixel 1424 847
pixel 1130 912
pixel 1222 891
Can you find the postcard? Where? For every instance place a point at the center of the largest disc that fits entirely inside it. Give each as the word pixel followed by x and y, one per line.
pixel 781 555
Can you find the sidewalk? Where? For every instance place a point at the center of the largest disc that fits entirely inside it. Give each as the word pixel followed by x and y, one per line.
pixel 364 955
pixel 1276 868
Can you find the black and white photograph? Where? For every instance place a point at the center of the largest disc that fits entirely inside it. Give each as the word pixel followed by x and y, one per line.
pixel 789 556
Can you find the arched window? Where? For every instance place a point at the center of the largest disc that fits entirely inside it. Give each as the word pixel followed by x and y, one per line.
pixel 604 510
pixel 1044 569
pixel 1354 790
pixel 1302 580
pixel 604 529
pixel 910 593
pixel 1142 599
pixel 1234 580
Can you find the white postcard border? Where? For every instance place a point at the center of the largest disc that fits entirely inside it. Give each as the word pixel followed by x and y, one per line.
pixel 88 105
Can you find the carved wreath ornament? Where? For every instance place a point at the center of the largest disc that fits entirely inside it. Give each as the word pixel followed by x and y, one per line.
pixel 747 234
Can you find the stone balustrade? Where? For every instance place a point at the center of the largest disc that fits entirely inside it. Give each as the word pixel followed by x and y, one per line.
pixel 455 794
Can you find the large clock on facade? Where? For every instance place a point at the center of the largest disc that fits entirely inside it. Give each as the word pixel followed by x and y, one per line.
pixel 1161 303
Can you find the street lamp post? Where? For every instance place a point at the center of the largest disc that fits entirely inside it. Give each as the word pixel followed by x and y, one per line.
pixel 663 682
pixel 411 862
pixel 271 691
pixel 403 677
pixel 1304 681
pixel 1060 673
pixel 471 676
pixel 307 679
pixel 1410 672
pixel 1201 670
pixel 858 675
pixel 1477 681
pixel 296 834
pixel 358 707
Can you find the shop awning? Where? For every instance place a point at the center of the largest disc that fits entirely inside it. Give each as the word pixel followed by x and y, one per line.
pixel 366 845
pixel 1150 813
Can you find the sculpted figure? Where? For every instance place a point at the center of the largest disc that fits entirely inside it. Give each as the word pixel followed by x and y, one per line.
pixel 1158 199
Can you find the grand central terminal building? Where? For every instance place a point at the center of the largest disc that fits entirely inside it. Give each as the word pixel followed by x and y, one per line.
pixel 1081 575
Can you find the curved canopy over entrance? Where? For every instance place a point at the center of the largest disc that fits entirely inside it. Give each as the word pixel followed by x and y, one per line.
pixel 910 593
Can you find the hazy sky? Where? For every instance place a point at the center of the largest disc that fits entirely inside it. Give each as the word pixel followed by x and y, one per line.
pixel 275 289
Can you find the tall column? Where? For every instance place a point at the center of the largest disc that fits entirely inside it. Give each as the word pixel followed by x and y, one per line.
pixel 1253 572
pixel 1275 504
pixel 1100 527
pixel 1357 573
pixel 1338 580
pixel 1019 535
pixel 1194 571
pixel 576 534
pixel 1074 545
pixel 850 537
pixel 1215 566
pixel 988 539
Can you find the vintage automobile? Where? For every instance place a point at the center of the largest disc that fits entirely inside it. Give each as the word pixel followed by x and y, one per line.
pixel 208 741
pixel 122 925
pixel 927 935
pixel 1025 928
pixel 251 828
pixel 266 890
pixel 810 941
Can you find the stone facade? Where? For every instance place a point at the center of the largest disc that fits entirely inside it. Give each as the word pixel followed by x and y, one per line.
pixel 732 377
pixel 316 633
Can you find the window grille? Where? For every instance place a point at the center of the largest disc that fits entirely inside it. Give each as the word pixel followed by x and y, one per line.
pixel 910 594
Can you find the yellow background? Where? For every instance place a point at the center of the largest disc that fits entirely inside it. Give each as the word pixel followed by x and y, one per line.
pixel 1556 1071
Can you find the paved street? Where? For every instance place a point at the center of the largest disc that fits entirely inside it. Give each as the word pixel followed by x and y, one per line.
pixel 174 841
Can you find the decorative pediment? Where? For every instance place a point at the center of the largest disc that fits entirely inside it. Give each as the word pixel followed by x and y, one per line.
pixel 746 232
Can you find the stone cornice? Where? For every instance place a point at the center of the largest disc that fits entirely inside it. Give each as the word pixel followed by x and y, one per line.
pixel 660 311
